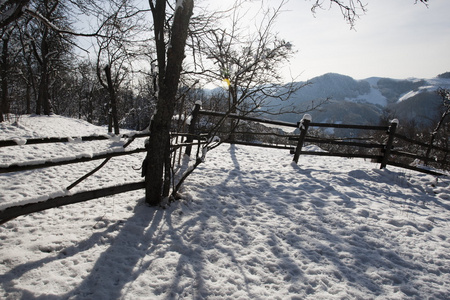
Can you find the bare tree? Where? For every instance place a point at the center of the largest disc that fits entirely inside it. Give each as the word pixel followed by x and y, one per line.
pixel 11 10
pixel 117 47
pixel 49 48
pixel 445 95
pixel 4 64
pixel 249 61
pixel 170 34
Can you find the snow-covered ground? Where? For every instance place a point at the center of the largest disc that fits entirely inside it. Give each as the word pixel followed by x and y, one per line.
pixel 252 225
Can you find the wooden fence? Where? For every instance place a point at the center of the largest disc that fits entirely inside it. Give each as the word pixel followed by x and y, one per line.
pixel 391 150
pixel 386 153
pixel 18 210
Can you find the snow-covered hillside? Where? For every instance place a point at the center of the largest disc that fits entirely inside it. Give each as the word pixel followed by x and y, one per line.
pixel 409 99
pixel 252 225
pixel 374 90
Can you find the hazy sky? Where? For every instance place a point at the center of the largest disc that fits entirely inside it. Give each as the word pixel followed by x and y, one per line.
pixel 397 39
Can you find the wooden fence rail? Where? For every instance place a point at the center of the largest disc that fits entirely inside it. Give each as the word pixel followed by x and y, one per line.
pixel 68 161
pixel 34 141
pixel 387 154
pixel 18 167
pixel 384 156
pixel 20 210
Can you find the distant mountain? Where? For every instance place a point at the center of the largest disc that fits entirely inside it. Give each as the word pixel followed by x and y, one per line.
pixel 362 101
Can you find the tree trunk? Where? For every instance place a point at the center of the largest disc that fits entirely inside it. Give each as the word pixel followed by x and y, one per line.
pixel 48 109
pixel 28 99
pixel 4 105
pixel 434 134
pixel 43 98
pixel 232 94
pixel 112 96
pixel 169 77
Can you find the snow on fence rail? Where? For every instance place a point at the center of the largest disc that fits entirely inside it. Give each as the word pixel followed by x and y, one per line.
pixel 60 162
pixel 22 141
pixel 12 212
pixel 23 209
pixel 389 154
pixel 18 167
pixel 384 153
pixel 383 158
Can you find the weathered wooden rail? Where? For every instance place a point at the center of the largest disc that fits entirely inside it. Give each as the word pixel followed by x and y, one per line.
pixel 384 153
pixel 19 210
pixel 48 140
pixel 388 155
pixel 305 123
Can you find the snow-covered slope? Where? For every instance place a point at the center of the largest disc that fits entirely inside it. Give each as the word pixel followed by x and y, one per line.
pixel 33 126
pixel 371 94
pixel 374 90
pixel 252 225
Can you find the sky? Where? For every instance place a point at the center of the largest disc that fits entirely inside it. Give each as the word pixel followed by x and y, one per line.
pixel 396 39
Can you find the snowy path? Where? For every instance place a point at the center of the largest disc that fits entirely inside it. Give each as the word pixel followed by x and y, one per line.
pixel 252 226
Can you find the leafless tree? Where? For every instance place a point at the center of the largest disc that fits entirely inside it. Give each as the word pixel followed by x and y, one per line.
pixel 4 64
pixel 11 10
pixel 248 61
pixel 238 62
pixel 445 96
pixel 170 28
pixel 118 46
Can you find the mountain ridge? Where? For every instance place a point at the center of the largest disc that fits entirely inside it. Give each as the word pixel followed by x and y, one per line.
pixel 410 100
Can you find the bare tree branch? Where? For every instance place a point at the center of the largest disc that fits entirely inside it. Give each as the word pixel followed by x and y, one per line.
pixel 11 10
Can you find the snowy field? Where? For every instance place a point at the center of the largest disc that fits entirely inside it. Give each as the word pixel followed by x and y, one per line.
pixel 252 225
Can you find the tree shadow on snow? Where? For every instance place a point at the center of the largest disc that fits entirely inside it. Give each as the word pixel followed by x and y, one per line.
pixel 300 243
pixel 358 253
pixel 128 242
pixel 251 235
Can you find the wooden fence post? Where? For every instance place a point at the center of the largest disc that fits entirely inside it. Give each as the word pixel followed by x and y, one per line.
pixel 303 125
pixel 191 129
pixel 390 141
